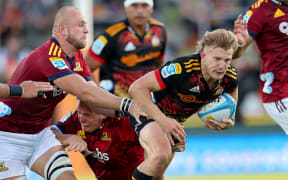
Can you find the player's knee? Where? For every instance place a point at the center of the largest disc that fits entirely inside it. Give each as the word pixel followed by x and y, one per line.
pixel 161 157
pixel 57 165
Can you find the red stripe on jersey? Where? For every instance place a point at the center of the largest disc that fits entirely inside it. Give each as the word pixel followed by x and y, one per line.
pixel 95 57
pixel 158 77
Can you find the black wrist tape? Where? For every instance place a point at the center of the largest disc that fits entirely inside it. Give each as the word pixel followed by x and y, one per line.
pixel 15 90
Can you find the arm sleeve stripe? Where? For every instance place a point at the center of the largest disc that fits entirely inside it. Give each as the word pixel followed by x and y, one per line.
pixel 160 81
pixel 95 57
pixel 59 75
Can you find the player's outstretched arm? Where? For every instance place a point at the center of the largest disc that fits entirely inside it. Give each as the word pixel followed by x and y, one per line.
pixel 27 89
pixel 244 39
pixel 140 90
pixel 93 95
pixel 71 141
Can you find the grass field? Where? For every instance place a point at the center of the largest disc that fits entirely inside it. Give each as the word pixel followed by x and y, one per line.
pixel 238 177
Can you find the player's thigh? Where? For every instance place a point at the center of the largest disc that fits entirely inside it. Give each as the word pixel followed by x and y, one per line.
pixel 49 158
pixel 278 111
pixel 15 150
pixel 153 139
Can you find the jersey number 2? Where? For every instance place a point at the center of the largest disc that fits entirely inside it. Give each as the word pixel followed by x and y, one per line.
pixel 268 78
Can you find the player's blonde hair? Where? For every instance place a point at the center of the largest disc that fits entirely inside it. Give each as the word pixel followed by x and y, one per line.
pixel 219 38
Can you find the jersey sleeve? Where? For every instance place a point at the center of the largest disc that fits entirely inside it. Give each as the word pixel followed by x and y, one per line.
pixel 255 19
pixel 69 124
pixel 170 75
pixel 231 79
pixel 101 49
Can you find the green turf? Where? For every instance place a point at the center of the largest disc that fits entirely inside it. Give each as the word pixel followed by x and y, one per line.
pixel 236 177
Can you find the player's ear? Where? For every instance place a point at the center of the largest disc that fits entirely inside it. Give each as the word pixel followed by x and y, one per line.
pixel 202 54
pixel 62 29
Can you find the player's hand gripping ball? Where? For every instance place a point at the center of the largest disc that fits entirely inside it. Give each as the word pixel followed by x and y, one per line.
pixel 221 108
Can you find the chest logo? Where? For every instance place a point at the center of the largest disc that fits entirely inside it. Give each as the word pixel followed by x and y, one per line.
pixel 129 47
pixel 195 89
pixel 105 137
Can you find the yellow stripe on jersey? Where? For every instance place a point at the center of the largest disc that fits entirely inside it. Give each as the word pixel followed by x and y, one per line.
pixel 232 72
pixel 51 48
pixel 59 52
pixel 194 68
pixel 258 3
pixel 155 22
pixel 55 50
pixel 193 64
pixel 232 76
pixel 114 29
pixel 191 60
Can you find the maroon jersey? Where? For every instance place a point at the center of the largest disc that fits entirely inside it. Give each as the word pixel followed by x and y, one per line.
pixel 268 25
pixel 46 63
pixel 184 89
pixel 115 146
pixel 127 56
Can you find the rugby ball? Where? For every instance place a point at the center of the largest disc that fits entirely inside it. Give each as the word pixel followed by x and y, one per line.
pixel 221 108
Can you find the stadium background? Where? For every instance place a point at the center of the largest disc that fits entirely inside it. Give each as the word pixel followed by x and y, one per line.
pixel 255 148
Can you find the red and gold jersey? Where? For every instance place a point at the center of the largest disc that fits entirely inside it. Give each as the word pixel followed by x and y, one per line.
pixel 115 146
pixel 268 25
pixel 184 89
pixel 125 55
pixel 46 64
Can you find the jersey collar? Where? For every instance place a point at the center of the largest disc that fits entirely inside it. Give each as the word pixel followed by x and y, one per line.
pixel 133 32
pixel 279 3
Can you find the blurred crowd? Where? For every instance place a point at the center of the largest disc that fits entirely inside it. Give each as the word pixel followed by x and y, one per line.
pixel 26 24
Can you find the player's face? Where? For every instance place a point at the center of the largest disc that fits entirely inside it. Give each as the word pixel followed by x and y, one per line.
pixel 215 62
pixel 90 121
pixel 138 13
pixel 77 31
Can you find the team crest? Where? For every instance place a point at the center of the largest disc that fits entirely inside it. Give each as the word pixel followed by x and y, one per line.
pixel 58 63
pixel 81 133
pixel 105 137
pixel 78 67
pixel 2 167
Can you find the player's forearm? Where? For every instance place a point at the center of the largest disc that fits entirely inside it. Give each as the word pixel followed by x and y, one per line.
pixel 144 100
pixel 4 90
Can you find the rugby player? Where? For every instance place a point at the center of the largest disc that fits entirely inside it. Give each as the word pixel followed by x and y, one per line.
pixel 25 136
pixel 266 23
pixel 172 93
pixel 110 145
pixel 128 49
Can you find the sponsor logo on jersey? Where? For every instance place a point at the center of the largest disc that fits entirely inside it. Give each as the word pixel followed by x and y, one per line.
pixel 101 157
pixel 219 91
pixel 58 63
pixel 99 44
pixel 2 167
pixel 105 137
pixel 132 59
pixel 278 13
pixel 129 46
pixel 195 89
pixel 283 27
pixel 77 67
pixel 57 91
pixel 4 109
pixel 190 99
pixel 247 16
pixel 171 70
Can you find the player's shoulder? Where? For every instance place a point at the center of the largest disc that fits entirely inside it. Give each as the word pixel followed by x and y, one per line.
pixel 232 73
pixel 155 22
pixel 116 28
pixel 190 63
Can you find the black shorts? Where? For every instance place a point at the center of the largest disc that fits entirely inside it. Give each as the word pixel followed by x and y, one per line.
pixel 144 121
pixel 138 127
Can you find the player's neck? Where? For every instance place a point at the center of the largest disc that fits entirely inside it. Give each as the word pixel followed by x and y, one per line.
pixel 66 47
pixel 139 29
